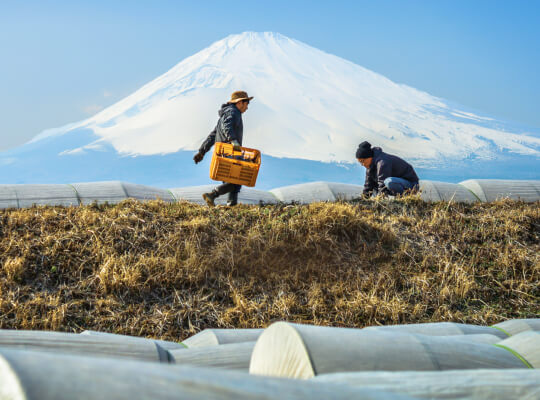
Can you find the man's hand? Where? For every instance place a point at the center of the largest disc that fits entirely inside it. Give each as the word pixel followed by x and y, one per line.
pixel 236 145
pixel 198 157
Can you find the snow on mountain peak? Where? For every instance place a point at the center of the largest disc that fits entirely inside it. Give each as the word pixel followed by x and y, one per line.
pixel 308 104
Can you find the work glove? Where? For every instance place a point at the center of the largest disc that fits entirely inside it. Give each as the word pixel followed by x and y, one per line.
pixel 198 157
pixel 236 145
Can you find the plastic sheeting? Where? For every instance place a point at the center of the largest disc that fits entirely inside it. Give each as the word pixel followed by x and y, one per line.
pixel 16 196
pixel 344 191
pixel 469 338
pixel 72 343
pixel 440 329
pixel 303 351
pixel 442 191
pixel 305 193
pixel 143 192
pixel 8 196
pixel 515 326
pixel 526 345
pixel 233 356
pixel 27 375
pixel 246 196
pixel 108 337
pixel 214 337
pixel 495 189
pixel 330 191
pixel 113 192
pixel 482 384
pixel 19 196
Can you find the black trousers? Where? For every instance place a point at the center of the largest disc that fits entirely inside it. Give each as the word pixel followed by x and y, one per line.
pixel 230 188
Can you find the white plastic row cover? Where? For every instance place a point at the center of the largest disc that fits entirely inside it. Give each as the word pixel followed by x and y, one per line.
pixel 214 337
pixel 465 192
pixel 20 196
pixel 480 384
pixel 304 351
pixel 232 348
pixel 33 375
pixel 118 346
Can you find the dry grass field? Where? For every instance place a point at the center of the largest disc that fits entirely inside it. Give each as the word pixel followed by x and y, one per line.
pixel 169 270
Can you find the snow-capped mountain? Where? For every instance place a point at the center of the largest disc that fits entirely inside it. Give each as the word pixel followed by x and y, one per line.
pixel 311 109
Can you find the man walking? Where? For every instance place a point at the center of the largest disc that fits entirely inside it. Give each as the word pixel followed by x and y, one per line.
pixel 229 129
pixel 385 173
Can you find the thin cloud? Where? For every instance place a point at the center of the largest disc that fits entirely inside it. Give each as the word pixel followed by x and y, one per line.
pixel 92 109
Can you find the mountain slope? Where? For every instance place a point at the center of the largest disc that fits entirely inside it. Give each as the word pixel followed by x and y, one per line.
pixel 309 105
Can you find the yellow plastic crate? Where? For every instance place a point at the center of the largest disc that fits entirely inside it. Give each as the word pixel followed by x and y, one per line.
pixel 238 167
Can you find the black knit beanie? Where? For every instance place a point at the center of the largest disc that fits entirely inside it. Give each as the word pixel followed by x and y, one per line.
pixel 364 150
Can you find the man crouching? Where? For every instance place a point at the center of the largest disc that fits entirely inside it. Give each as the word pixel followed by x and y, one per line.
pixel 385 173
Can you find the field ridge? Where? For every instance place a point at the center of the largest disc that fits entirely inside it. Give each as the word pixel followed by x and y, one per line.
pixel 167 271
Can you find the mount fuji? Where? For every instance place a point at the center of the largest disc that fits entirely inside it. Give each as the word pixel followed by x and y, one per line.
pixel 310 111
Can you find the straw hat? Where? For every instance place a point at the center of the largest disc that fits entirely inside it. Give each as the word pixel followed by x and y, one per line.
pixel 239 96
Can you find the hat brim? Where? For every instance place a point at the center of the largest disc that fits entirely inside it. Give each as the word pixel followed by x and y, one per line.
pixel 237 100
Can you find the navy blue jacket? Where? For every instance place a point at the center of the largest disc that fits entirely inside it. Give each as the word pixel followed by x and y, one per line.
pixel 228 128
pixel 385 166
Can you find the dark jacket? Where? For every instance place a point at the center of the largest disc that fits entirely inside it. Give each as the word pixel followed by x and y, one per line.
pixel 228 128
pixel 385 166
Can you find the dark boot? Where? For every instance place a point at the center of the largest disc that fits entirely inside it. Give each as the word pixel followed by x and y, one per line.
pixel 233 199
pixel 210 197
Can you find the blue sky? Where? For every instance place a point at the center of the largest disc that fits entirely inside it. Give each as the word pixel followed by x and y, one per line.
pixel 62 61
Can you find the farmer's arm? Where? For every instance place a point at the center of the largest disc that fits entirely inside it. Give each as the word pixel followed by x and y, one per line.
pixel 208 143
